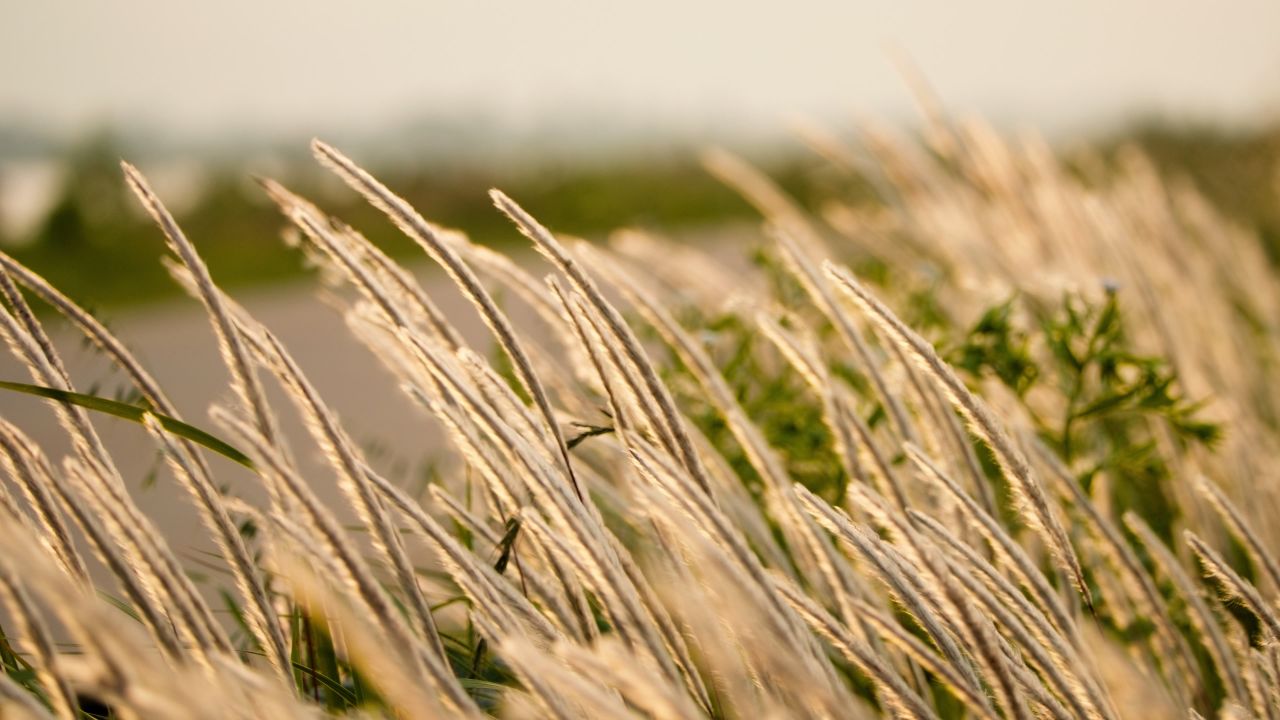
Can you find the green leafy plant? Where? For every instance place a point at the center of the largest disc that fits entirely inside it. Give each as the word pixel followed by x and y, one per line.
pixel 1113 398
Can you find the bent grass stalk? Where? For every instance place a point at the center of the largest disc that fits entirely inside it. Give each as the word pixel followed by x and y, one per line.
pixel 671 567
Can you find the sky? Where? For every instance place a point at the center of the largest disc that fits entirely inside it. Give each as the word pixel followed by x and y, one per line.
pixel 295 67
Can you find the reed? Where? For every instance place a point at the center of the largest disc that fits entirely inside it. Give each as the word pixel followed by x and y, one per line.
pixel 684 557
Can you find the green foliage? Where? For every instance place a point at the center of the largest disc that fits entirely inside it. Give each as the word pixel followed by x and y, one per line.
pixel 1106 381
pixel 17 668
pixel 1114 399
pixel 320 673
pixel 995 344
pixel 775 398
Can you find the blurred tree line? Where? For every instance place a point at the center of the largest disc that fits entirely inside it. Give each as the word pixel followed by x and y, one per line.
pixel 95 243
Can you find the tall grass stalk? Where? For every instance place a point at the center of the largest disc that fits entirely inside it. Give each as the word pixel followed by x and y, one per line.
pixel 693 492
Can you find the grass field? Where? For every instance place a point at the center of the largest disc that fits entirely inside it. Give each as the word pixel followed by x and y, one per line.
pixel 985 432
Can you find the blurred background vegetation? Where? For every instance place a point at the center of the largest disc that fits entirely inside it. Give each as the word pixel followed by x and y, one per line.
pixel 80 230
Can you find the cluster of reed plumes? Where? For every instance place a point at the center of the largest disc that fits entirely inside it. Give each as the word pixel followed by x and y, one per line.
pixel 962 571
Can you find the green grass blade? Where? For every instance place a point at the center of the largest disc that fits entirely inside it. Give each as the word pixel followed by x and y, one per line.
pixel 133 413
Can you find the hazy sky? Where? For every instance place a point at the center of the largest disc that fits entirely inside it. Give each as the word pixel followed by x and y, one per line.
pixel 303 66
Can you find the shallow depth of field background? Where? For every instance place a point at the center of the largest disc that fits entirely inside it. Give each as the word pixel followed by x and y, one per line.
pixel 591 115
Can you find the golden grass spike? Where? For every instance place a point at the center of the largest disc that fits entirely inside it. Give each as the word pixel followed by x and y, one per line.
pixel 16 701
pixel 196 474
pixel 554 251
pixel 260 615
pixel 638 684
pixel 1261 558
pixel 244 380
pixel 367 644
pixel 20 457
pixel 907 590
pixel 357 578
pixel 894 692
pixel 1236 586
pixel 1000 541
pixel 1033 504
pixel 343 456
pixel 364 264
pixel 1171 646
pixel 417 228
pixel 1202 617
pixel 801 267
pixel 32 633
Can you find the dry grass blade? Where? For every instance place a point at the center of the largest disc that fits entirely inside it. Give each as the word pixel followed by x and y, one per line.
pixel 765 195
pixel 762 457
pixel 355 574
pixel 1031 497
pixel 563 693
pixel 554 251
pixel 808 548
pixel 16 701
pixel 907 591
pixel 16 453
pixel 367 643
pixel 1000 541
pixel 116 666
pixel 168 589
pixel 676 486
pixel 413 225
pixel 1169 642
pixel 971 695
pixel 1236 586
pixel 1054 660
pixel 1203 619
pixel 343 456
pixel 244 380
pixel 259 613
pixel 1261 558
pixel 809 278
pixel 119 561
pixel 853 437
pixel 190 464
pixel 558 591
pixel 95 331
pixel 131 527
pixel 99 483
pixel 32 630
pixel 366 265
pixel 687 561
pixel 896 695
pixel 638 685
